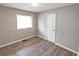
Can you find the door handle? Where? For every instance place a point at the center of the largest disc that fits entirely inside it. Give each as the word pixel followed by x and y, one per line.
pixel 53 29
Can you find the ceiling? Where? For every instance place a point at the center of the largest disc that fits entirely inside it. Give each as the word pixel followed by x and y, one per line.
pixel 41 6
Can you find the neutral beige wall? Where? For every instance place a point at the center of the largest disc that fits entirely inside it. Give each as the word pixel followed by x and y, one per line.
pixel 66 25
pixel 8 25
pixel 78 29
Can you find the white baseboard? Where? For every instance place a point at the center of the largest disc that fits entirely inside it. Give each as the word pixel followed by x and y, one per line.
pixel 66 48
pixel 61 46
pixel 41 37
pixel 16 41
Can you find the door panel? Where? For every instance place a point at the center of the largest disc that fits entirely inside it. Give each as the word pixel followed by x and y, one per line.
pixel 51 26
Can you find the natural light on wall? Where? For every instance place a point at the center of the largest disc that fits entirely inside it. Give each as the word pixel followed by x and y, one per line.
pixel 24 21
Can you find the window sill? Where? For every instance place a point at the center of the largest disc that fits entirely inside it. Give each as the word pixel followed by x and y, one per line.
pixel 24 28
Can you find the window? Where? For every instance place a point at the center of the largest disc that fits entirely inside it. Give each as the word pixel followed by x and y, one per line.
pixel 24 21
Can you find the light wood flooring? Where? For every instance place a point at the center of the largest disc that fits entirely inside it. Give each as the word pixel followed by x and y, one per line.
pixel 34 46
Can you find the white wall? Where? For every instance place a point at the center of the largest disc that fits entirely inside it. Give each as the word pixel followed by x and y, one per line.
pixel 8 26
pixel 66 25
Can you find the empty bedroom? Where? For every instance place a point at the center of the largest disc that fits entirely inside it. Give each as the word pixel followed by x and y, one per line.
pixel 39 29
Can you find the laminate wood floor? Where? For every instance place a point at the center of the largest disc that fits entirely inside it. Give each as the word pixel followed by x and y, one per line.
pixel 34 46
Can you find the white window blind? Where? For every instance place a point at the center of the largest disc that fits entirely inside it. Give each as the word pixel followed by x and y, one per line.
pixel 24 21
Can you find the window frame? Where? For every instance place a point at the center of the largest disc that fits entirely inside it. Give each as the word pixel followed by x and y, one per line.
pixel 27 27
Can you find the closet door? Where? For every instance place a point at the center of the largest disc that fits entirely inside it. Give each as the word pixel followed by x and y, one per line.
pixel 51 18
